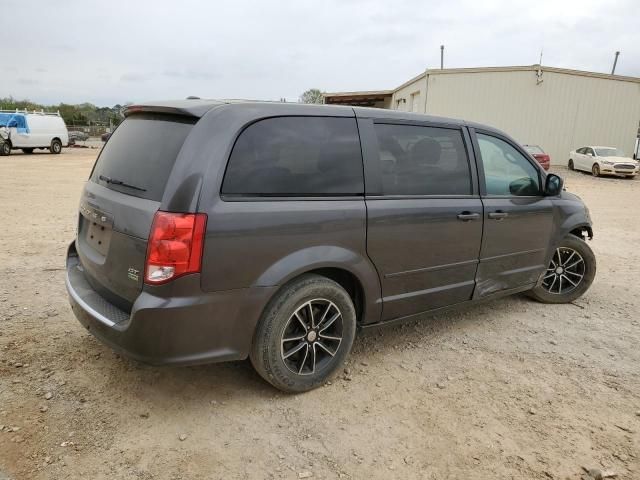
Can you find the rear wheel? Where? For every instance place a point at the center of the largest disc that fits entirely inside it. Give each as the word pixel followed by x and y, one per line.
pixel 56 146
pixel 5 148
pixel 570 165
pixel 305 334
pixel 595 170
pixel 569 274
pixel 28 151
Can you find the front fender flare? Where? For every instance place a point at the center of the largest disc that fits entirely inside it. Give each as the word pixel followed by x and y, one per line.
pixel 571 223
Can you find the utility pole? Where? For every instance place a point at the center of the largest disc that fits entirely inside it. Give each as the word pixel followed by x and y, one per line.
pixel 442 57
pixel 615 62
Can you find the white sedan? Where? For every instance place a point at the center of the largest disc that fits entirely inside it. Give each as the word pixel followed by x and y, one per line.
pixel 602 161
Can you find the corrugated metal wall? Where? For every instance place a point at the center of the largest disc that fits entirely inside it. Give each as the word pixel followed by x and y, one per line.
pixel 563 112
pixel 404 97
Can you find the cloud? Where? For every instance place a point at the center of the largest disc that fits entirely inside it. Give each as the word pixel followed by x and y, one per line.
pixel 269 50
pixel 135 77
pixel 29 81
pixel 189 74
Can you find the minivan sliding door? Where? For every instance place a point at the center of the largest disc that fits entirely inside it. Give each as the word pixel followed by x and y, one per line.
pixel 424 213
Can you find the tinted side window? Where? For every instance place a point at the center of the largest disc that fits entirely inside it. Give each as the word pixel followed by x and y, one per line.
pixel 418 160
pixel 296 156
pixel 581 150
pixel 506 170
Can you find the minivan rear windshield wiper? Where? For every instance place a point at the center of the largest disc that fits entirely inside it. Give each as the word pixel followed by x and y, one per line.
pixel 115 181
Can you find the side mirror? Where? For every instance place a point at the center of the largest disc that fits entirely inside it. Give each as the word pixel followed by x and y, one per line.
pixel 553 185
pixel 524 186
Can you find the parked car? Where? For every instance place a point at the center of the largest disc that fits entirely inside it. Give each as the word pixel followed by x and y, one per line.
pixel 78 135
pixel 28 131
pixel 538 153
pixel 105 136
pixel 602 161
pixel 213 231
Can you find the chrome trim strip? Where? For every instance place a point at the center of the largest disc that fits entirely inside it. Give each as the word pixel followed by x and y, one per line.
pixel 85 306
pixel 403 296
pixel 498 257
pixel 432 269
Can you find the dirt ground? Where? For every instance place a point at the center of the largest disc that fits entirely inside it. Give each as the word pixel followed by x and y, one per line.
pixel 508 389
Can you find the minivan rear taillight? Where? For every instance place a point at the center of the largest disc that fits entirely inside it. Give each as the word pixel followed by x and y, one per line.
pixel 175 246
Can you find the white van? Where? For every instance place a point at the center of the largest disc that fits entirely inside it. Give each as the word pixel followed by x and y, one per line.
pixel 30 130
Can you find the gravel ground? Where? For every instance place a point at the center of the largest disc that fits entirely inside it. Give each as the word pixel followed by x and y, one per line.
pixel 508 389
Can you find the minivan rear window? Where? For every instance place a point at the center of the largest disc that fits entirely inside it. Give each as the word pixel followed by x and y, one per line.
pixel 141 153
pixel 296 156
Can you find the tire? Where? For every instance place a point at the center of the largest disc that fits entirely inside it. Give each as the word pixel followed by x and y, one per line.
pixel 570 165
pixel 595 170
pixel 310 365
pixel 5 149
pixel 27 151
pixel 587 269
pixel 56 146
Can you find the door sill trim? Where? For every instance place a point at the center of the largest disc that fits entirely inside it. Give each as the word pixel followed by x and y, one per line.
pixel 435 311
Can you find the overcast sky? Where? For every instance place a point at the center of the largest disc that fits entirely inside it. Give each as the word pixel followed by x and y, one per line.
pixel 115 51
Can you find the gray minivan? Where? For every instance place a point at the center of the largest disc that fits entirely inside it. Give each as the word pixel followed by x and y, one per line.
pixel 212 231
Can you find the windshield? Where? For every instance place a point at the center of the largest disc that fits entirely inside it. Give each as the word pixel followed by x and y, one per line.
pixel 139 156
pixel 609 152
pixel 533 149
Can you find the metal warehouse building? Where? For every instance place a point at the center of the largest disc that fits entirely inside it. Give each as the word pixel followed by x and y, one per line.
pixel 555 108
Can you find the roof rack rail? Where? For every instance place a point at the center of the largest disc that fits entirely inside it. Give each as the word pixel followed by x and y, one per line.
pixel 32 112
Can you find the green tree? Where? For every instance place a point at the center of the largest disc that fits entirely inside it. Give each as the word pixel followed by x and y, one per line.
pixel 313 95
pixel 81 114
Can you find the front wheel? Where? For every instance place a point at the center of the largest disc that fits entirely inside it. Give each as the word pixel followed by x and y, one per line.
pixel 305 334
pixel 5 148
pixel 56 146
pixel 569 274
pixel 595 170
pixel 570 165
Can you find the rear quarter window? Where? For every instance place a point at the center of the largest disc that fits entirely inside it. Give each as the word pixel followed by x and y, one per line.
pixel 296 156
pixel 141 153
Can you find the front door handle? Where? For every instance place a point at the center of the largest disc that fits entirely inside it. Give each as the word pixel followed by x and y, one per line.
pixel 466 216
pixel 499 215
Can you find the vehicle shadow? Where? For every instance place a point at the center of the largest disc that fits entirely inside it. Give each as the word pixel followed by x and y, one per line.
pixel 238 382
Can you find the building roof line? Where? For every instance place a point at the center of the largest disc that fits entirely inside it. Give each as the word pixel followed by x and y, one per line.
pixel 516 68
pixel 359 94
pixel 521 68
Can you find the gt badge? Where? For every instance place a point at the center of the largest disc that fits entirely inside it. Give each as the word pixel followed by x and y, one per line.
pixel 132 273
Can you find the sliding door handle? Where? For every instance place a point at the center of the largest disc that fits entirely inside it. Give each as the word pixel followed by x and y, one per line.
pixel 499 215
pixel 466 216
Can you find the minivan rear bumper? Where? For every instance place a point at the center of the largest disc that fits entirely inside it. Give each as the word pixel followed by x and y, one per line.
pixel 173 324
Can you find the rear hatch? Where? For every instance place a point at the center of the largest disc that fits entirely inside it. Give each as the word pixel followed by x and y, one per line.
pixel 120 199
